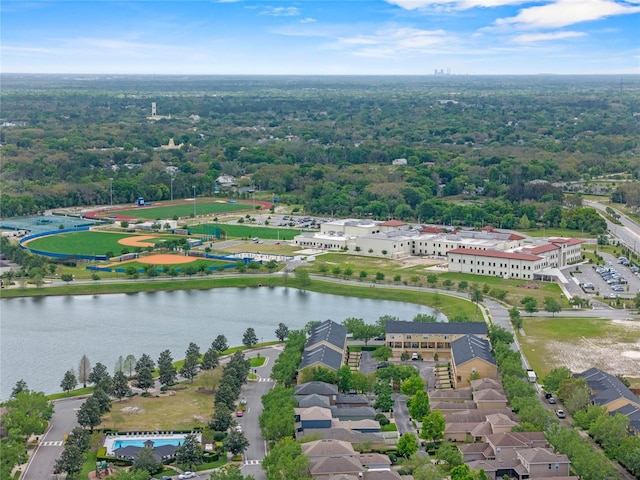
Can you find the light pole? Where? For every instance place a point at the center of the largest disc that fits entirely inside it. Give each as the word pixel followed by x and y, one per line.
pixel 111 191
pixel 172 178
pixel 194 201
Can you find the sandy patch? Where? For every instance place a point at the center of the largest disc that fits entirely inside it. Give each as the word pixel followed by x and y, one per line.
pixel 603 353
pixel 160 259
pixel 137 241
pixel 132 409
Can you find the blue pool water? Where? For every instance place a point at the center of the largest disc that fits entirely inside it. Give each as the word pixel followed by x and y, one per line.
pixel 140 443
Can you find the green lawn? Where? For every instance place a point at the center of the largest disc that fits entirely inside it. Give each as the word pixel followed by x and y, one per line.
pixel 557 232
pixel 202 207
pixel 204 262
pixel 246 231
pixel 88 243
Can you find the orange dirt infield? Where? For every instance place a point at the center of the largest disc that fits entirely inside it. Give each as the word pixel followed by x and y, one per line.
pixel 161 259
pixel 137 241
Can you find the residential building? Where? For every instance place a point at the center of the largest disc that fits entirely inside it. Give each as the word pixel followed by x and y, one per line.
pixel 607 390
pixel 326 347
pixel 429 338
pixel 471 358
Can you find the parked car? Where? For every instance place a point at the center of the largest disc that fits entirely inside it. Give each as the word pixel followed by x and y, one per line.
pixel 548 395
pixel 382 365
pixel 186 475
pixel 243 401
pixel 238 428
pixel 414 356
pixel 551 400
pixel 560 414
pixel 239 413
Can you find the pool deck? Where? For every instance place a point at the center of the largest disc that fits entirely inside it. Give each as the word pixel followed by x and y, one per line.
pixel 110 440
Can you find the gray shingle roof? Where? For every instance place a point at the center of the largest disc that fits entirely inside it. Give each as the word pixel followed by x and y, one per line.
pixel 313 400
pixel 468 347
pixel 324 355
pixel 360 412
pixel 319 388
pixel 605 387
pixel 456 328
pixel 330 332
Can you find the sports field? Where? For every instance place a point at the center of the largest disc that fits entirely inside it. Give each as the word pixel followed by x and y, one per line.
pixel 184 209
pixel 245 231
pixel 89 243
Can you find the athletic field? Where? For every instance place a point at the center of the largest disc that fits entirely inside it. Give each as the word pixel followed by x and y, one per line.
pixel 180 210
pixel 90 243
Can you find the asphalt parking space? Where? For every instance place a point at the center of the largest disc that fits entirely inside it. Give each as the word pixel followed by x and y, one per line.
pixel 588 275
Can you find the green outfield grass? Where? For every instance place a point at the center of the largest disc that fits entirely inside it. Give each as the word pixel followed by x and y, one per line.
pixel 88 243
pixel 246 231
pixel 203 207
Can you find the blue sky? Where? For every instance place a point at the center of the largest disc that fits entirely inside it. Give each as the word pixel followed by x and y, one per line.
pixel 355 37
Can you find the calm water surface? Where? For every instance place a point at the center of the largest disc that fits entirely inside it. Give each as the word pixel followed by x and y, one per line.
pixel 41 338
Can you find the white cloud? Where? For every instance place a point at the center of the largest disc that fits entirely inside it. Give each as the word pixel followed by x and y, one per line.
pixel 453 4
pixel 545 37
pixel 566 12
pixel 308 20
pixel 281 11
pixel 393 42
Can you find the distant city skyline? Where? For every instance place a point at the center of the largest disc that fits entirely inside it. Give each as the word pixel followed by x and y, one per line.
pixel 331 37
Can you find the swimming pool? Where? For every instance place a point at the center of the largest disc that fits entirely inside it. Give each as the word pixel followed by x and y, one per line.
pixel 140 443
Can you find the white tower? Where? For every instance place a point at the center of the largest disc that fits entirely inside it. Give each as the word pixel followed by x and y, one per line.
pixel 153 109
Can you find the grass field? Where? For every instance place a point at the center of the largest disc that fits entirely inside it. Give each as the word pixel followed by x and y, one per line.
pixel 557 232
pixel 581 343
pixel 184 210
pixel 189 406
pixel 87 243
pixel 246 231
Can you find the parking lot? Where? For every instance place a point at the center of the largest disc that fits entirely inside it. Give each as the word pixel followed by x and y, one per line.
pixel 612 280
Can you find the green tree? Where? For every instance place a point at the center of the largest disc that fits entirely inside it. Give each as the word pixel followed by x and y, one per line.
pixel 555 377
pixel 407 445
pixel 552 306
pixel 166 369
pixel 221 419
pixel 530 305
pixel 344 378
pixel 98 374
pixel 70 461
pixel 285 461
pixel 189 454
pixel 220 343
pixel 121 387
pixel 104 402
pixel 433 426
pixel 303 277
pixel 449 453
pixel 129 364
pixel 69 381
pixel 89 414
pixel 66 277
pixel 191 360
pixel 211 358
pixel 144 372
pixel 146 461
pixel 418 405
pixel 412 385
pixel 229 474
pixel 382 353
pixel 236 442
pixel 282 332
pixel 249 337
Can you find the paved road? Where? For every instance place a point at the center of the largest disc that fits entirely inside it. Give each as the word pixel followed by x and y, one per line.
pixel 628 232
pixel 50 447
pixel 253 391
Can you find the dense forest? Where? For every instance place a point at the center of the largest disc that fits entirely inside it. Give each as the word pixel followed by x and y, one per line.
pixel 435 149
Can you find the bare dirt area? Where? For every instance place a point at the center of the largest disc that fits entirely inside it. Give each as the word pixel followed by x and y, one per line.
pixel 138 241
pixel 160 259
pixel 616 351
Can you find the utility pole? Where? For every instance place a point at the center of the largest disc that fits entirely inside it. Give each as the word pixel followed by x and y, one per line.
pixel 194 201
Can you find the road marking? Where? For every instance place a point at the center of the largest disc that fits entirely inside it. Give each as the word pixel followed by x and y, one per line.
pixel 253 462
pixel 58 443
pixel 265 380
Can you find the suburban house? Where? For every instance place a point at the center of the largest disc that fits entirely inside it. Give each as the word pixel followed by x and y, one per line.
pixel 607 390
pixel 320 389
pixel 326 347
pixel 429 338
pixel 336 459
pixel 471 357
pixel 520 455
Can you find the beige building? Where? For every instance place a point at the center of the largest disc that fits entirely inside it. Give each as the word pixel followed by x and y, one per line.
pixel 471 358
pixel 429 338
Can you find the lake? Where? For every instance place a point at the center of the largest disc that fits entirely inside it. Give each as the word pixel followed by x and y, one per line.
pixel 43 337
